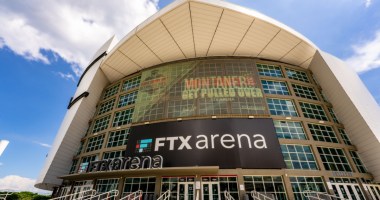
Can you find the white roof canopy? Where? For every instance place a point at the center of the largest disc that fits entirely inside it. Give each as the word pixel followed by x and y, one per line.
pixel 200 28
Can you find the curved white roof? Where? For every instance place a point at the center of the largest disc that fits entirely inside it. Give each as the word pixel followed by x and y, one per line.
pixel 200 28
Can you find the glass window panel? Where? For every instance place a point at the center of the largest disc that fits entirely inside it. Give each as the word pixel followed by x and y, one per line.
pixel 127 99
pixel 281 107
pixel 101 124
pixel 289 130
pixel 269 70
pixel 145 184
pixel 106 106
pixel 95 143
pixel 299 158
pixel 304 92
pixel 297 75
pixel 105 185
pixel 110 91
pixel 114 154
pixel 275 87
pixel 345 137
pixel 332 113
pixel 323 133
pixel 300 184
pixel 122 117
pixel 131 83
pixel 118 138
pixel 73 166
pixel 85 161
pixel 313 111
pixel 359 164
pixel 268 184
pixel 333 158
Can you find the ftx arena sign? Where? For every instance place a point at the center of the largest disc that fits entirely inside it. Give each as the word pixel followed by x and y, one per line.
pixel 227 143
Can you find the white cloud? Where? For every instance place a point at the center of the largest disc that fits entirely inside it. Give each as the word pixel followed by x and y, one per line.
pixel 3 145
pixel 18 183
pixel 1 164
pixel 67 76
pixel 368 3
pixel 43 144
pixel 366 55
pixel 72 29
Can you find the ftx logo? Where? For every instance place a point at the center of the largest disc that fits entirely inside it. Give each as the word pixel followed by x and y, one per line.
pixel 144 145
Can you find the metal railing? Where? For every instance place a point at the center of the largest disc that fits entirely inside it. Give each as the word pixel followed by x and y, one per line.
pixel 228 196
pixel 106 195
pixel 164 196
pixel 3 196
pixel 133 196
pixel 86 194
pixel 261 196
pixel 313 195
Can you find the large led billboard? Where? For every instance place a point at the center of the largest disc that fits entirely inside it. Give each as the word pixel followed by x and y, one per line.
pixel 199 88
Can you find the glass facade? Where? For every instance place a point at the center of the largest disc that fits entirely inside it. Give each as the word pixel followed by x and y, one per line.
pixel 85 161
pixel 334 159
pixel 131 83
pixel 358 162
pixel 313 111
pixel 114 154
pixel 269 70
pixel 289 130
pixel 297 75
pixel 322 133
pixel 304 92
pixel 122 117
pixel 199 88
pixel 145 184
pixel 282 107
pixel 101 124
pixel 106 106
pixel 105 185
pixel 275 87
pixel 110 91
pixel 172 184
pixel 344 136
pixel 95 143
pixel 226 183
pixel 266 184
pixel 127 99
pixel 73 166
pixel 332 113
pixel 298 157
pixel 118 138
pixel 312 141
pixel 302 183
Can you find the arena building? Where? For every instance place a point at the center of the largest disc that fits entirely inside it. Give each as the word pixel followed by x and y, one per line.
pixel 205 97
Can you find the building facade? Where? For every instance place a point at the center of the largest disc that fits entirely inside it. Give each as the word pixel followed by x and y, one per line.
pixel 205 97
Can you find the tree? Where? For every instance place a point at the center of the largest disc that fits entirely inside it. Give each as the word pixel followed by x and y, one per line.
pixel 24 195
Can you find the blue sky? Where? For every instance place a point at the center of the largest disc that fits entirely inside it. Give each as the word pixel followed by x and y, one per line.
pixel 44 50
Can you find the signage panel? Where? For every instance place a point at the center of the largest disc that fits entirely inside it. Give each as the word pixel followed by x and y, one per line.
pixel 227 143
pixel 196 88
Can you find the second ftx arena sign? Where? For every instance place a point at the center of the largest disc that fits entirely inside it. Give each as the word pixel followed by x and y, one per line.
pixel 227 143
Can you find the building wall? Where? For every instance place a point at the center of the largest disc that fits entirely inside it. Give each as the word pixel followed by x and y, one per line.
pixel 74 124
pixel 99 141
pixel 354 105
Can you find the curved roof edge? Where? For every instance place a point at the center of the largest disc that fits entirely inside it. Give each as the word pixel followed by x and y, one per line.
pixel 201 28
pixel 225 4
